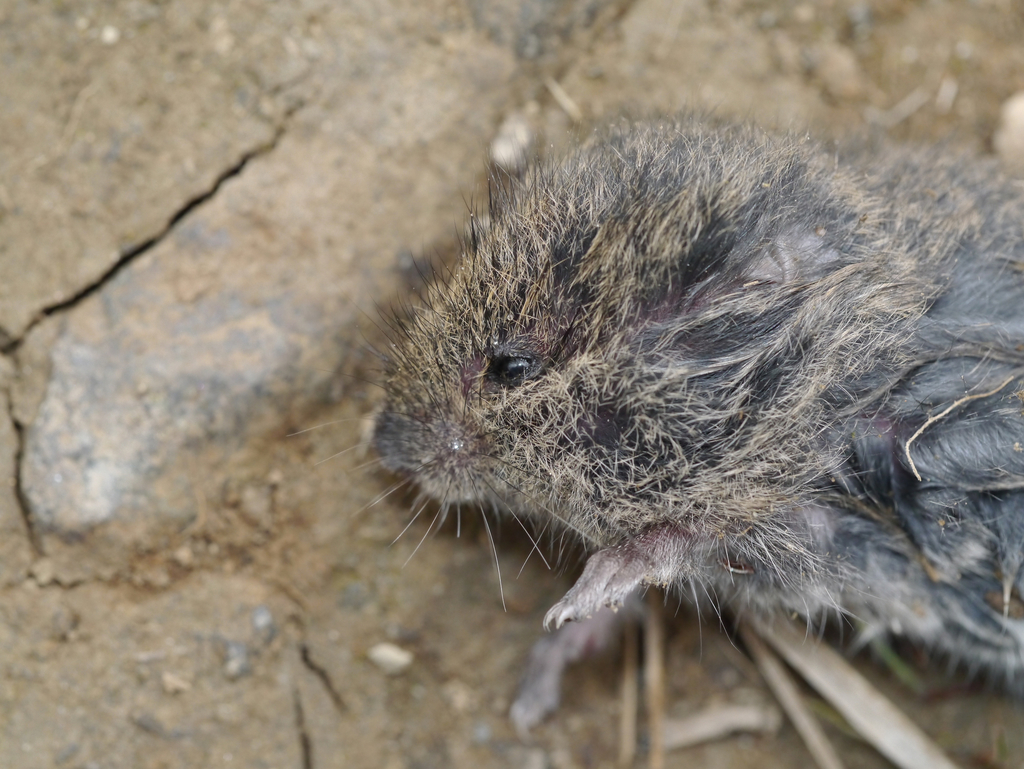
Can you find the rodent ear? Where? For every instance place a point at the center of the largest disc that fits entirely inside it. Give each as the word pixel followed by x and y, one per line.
pixel 792 256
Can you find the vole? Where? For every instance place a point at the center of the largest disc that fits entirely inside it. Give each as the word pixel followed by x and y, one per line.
pixel 763 371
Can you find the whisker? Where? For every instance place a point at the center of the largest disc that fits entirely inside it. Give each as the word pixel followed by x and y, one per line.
pixel 541 506
pixel 323 424
pixel 497 565
pixel 390 490
pixel 438 514
pixel 410 523
pixel 356 378
pixel 361 444
pixel 522 526
pixel 364 465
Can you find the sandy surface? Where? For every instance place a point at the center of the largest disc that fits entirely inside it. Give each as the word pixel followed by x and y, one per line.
pixel 201 208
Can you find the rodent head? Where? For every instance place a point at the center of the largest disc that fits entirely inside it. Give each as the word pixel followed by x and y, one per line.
pixel 656 328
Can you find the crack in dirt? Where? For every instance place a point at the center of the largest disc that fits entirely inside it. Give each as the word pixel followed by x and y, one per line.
pixel 19 492
pixel 133 252
pixel 305 743
pixel 10 347
pixel 325 677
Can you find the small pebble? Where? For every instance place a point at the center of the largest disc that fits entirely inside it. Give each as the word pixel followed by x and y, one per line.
pixel 964 50
pixel 535 759
pixel 236 660
pixel 1009 137
pixel 804 14
pixel 481 732
pixel 173 684
pixel 840 72
pixel 458 694
pixel 110 35
pixel 390 658
pixel 511 147
pixel 354 596
pixel 64 621
pixel 230 713
pixel 43 572
pixel 263 624
pixel 184 557
pixel 257 506
pixel 860 19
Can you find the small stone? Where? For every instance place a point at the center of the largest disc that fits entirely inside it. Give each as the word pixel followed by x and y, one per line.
pixel 481 732
pixel 535 759
pixel 158 578
pixel 458 694
pixel 804 14
pixel 256 506
pixel 511 146
pixel 860 19
pixel 67 752
pixel 173 684
pixel 390 658
pixel 1009 136
pixel 839 71
pixel 42 572
pixel 788 56
pixel 263 624
pixel 110 35
pixel 223 40
pixel 63 624
pixel 354 596
pixel 236 660
pixel 230 713
pixel 184 557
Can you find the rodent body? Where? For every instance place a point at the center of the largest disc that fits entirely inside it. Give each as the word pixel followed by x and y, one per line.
pixel 776 375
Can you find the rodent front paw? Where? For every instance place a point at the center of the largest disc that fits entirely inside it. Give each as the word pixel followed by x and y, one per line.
pixel 607 580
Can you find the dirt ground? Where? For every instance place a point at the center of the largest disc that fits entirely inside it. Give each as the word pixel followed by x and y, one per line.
pixel 201 209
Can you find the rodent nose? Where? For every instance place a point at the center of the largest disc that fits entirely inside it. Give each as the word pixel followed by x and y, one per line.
pixel 450 438
pixel 406 444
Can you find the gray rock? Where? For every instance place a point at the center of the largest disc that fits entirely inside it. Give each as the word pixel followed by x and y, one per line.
pixel 140 401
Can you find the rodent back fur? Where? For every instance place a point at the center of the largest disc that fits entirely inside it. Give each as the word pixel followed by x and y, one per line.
pixel 732 336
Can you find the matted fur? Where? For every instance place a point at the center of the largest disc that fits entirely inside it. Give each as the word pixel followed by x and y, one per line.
pixel 713 344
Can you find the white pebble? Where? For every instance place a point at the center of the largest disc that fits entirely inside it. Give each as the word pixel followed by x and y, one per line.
pixel 511 147
pixel 390 658
pixel 1009 137
pixel 110 35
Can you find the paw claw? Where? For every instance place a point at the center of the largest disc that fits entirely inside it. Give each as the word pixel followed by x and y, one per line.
pixel 559 614
pixel 609 578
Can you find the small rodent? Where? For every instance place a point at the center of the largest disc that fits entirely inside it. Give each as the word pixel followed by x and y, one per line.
pixel 767 372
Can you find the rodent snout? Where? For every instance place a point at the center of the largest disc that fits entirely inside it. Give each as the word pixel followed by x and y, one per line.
pixel 443 454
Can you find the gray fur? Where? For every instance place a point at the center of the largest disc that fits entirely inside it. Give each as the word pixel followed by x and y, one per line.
pixel 705 349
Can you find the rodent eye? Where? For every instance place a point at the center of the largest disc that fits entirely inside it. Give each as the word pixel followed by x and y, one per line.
pixel 512 370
